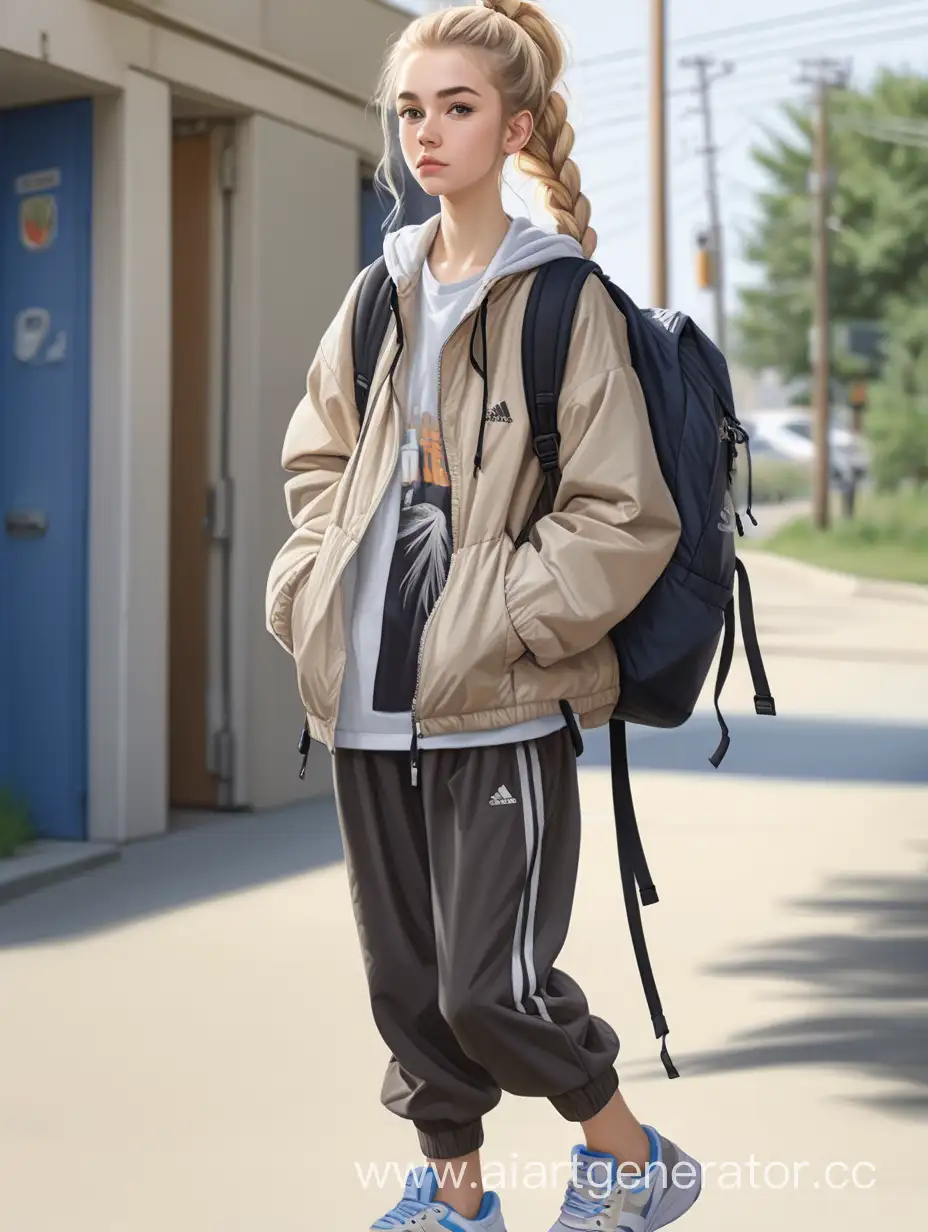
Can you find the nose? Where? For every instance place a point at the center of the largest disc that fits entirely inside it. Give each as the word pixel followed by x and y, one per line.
pixel 428 132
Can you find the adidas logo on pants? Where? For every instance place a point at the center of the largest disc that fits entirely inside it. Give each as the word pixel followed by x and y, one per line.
pixel 503 796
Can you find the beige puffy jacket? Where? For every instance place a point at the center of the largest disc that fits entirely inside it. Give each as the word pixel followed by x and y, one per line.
pixel 515 631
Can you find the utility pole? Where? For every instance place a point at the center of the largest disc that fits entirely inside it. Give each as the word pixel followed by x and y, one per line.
pixel 703 65
pixel 659 270
pixel 823 74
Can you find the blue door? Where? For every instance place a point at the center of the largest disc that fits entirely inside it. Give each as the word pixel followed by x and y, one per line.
pixel 45 222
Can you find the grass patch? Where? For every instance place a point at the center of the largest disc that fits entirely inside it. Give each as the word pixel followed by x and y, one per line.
pixel 887 539
pixel 15 828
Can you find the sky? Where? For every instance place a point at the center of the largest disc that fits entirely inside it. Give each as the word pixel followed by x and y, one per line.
pixel 608 108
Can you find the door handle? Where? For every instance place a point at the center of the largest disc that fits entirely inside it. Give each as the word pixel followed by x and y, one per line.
pixel 25 524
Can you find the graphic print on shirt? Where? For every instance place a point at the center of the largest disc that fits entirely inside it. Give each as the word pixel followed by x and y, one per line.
pixel 421 557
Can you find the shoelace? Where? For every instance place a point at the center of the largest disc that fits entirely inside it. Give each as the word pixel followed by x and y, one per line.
pixel 406 1209
pixel 576 1203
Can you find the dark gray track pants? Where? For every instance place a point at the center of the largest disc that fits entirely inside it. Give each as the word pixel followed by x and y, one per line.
pixel 462 890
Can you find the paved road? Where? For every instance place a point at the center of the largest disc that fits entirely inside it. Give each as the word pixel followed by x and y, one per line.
pixel 187 1044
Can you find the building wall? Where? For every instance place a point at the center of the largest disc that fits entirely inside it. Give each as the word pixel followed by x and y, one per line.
pixel 299 205
pixel 340 43
pixel 130 462
pixel 95 43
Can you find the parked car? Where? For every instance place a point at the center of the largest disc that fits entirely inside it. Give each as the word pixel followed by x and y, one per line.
pixel 789 434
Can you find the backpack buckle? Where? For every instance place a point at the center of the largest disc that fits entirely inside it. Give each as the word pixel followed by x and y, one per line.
pixel 546 450
pixel 765 705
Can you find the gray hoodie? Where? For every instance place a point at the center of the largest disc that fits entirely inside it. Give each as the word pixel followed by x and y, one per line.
pixel 400 567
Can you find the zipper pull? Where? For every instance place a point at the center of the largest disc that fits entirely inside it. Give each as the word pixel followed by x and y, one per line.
pixel 414 754
pixel 304 745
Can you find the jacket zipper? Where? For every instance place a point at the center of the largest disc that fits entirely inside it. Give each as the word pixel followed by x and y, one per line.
pixel 305 738
pixel 416 729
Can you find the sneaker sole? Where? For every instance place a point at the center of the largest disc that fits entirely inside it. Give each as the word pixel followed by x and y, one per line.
pixel 678 1201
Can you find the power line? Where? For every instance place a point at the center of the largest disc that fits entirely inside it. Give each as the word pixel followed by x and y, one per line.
pixel 894 136
pixel 798 50
pixel 878 7
pixel 869 11
pixel 630 119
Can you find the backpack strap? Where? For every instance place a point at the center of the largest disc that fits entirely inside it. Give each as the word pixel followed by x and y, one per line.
pixel 372 310
pixel 546 331
pixel 725 658
pixel 633 867
pixel 763 699
pixel 764 703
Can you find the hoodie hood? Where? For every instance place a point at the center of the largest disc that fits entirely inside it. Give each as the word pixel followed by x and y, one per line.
pixel 524 247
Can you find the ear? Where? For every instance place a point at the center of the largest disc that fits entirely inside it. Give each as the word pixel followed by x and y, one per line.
pixel 518 132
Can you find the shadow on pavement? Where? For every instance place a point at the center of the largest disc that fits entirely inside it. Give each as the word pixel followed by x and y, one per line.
pixel 221 855
pixel 870 983
pixel 827 750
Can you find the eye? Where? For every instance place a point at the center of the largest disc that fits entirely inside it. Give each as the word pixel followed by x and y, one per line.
pixel 464 107
pixel 405 112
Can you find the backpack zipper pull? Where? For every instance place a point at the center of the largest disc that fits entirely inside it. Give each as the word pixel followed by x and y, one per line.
pixel 304 746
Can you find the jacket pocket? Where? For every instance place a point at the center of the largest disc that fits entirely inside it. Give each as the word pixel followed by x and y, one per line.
pixel 471 644
pixel 318 628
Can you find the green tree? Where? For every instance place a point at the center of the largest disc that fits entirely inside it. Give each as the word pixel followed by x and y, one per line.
pixel 880 200
pixel 897 418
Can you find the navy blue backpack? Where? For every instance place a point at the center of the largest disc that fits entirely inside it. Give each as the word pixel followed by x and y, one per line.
pixel 666 646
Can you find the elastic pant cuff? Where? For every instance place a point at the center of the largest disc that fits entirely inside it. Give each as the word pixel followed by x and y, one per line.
pixel 442 1140
pixel 583 1103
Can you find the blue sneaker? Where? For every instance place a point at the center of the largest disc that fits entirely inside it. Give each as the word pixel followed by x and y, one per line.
pixel 419 1212
pixel 599 1199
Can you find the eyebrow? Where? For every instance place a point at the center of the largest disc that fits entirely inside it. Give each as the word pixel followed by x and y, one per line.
pixel 408 95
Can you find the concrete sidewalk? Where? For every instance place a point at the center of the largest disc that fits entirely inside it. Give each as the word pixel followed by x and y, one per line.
pixel 189 1045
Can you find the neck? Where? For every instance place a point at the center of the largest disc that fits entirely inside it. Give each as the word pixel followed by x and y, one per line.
pixel 473 225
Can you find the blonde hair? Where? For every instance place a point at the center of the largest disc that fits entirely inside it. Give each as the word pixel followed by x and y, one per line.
pixel 527 57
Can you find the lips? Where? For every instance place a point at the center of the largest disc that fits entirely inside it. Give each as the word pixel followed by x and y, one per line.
pixel 429 162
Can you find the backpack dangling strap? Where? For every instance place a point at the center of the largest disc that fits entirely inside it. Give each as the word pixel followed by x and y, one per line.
pixel 725 658
pixel 633 867
pixel 763 699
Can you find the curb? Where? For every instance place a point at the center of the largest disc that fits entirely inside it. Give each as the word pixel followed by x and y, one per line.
pixel 48 862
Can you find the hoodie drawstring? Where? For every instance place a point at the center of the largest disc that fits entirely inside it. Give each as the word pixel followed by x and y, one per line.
pixel 481 319
pixel 400 339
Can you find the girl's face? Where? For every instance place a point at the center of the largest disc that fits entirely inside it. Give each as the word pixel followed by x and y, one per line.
pixel 452 128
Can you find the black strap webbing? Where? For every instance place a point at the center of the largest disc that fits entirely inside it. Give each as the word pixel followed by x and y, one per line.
pixel 369 328
pixel 725 658
pixel 634 868
pixel 546 331
pixel 763 700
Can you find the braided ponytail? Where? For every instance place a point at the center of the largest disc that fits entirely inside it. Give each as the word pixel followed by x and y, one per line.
pixel 546 157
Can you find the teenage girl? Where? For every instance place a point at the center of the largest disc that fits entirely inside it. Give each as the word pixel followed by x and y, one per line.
pixel 444 665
